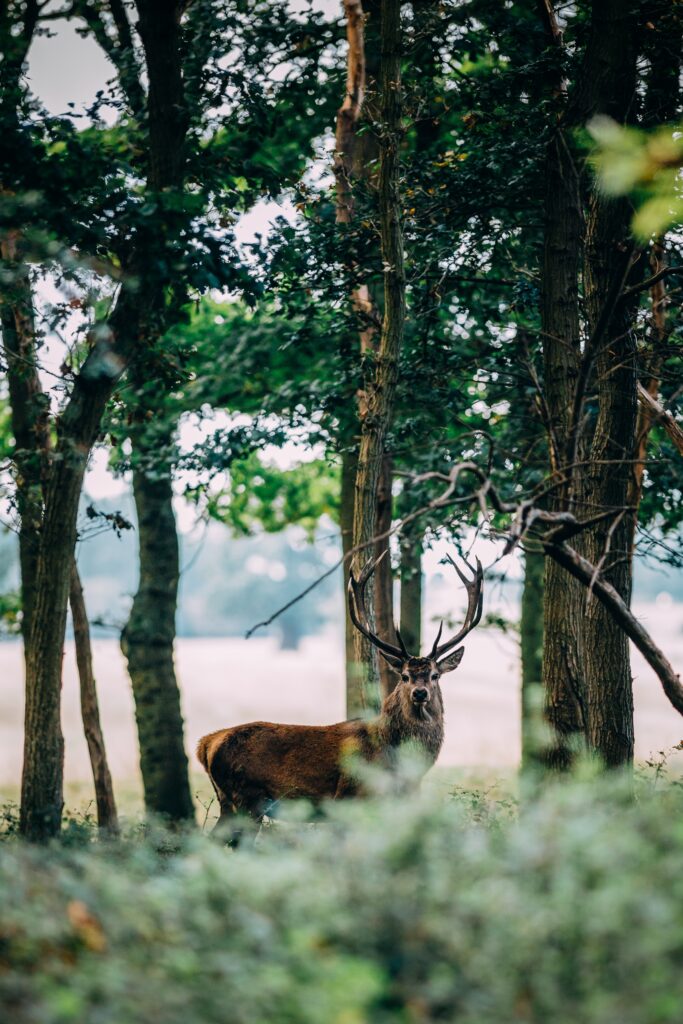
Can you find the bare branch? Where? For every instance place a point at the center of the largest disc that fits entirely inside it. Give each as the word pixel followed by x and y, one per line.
pixel 584 571
pixel 603 557
pixel 525 515
pixel 649 282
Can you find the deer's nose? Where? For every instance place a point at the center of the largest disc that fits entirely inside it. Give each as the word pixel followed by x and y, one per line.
pixel 420 695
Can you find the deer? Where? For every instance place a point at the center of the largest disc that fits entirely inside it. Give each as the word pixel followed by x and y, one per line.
pixel 253 766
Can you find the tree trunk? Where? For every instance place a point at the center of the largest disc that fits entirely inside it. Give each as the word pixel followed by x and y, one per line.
pixel 42 777
pixel 354 694
pixel 382 388
pixel 531 643
pixel 563 681
pixel 411 592
pixel 611 54
pixel 43 743
pixel 31 436
pixel 384 577
pixel 139 303
pixel 147 643
pixel 107 818
pixel 355 155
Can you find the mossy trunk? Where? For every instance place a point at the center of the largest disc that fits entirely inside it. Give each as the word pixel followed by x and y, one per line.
pixel 147 642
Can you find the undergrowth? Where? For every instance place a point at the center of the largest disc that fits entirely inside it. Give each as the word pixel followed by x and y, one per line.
pixel 567 905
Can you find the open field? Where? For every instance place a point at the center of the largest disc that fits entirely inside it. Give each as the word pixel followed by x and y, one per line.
pixel 227 681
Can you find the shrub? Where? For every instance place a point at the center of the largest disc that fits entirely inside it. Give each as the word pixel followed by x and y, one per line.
pixel 409 910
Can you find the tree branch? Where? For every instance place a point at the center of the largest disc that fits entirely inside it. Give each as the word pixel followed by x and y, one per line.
pixel 649 282
pixel 525 516
pixel 584 571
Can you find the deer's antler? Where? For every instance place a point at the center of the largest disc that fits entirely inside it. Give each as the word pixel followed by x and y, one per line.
pixel 359 616
pixel 475 598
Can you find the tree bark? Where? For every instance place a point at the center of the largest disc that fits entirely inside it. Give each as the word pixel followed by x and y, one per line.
pixel 563 678
pixel 384 577
pixel 355 156
pixel 531 644
pixel 382 388
pixel 42 777
pixel 611 81
pixel 354 692
pixel 107 818
pixel 411 592
pixel 147 643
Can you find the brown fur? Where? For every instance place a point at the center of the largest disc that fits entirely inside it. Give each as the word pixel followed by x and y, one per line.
pixel 251 766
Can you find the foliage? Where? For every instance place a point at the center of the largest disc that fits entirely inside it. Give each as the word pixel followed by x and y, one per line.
pixel 262 496
pixel 646 166
pixel 10 598
pixel 10 613
pixel 408 910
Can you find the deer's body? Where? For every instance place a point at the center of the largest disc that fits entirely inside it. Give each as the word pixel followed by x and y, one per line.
pixel 253 766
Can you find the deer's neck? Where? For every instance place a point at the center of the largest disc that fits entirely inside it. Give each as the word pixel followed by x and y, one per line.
pixel 402 722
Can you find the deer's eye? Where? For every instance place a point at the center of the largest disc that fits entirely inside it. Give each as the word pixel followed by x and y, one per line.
pixel 435 676
pixel 405 678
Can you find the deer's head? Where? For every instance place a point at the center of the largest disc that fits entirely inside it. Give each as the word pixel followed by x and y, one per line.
pixel 419 677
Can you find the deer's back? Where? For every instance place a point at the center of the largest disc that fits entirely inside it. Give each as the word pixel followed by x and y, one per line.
pixel 266 760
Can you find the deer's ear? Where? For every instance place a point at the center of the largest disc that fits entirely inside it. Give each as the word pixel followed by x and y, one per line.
pixel 394 663
pixel 452 661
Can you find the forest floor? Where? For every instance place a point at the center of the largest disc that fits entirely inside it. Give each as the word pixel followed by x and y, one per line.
pixel 228 681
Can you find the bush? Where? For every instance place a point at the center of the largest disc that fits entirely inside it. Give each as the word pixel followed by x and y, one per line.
pixel 406 910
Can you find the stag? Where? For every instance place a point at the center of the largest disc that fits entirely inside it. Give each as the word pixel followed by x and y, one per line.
pixel 253 766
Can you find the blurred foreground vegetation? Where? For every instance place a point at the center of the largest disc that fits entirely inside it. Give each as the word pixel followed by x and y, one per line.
pixel 566 906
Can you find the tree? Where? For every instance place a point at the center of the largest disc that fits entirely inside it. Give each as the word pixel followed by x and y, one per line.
pixel 379 397
pixel 29 418
pixel 592 441
pixel 149 415
pixel 123 200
